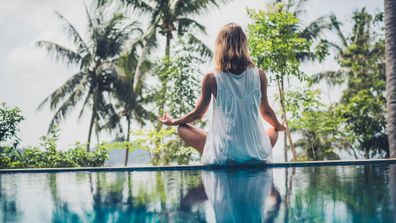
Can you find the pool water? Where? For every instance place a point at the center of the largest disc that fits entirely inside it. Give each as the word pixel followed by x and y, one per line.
pixel 306 194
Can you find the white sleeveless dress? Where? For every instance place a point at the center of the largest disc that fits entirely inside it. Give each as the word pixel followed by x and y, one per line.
pixel 236 132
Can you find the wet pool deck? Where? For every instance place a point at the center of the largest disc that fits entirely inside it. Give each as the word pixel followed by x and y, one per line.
pixel 204 167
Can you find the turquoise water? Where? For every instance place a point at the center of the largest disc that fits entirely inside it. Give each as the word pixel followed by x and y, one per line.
pixel 308 194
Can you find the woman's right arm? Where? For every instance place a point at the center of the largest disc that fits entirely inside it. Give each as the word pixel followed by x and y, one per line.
pixel 265 109
pixel 201 105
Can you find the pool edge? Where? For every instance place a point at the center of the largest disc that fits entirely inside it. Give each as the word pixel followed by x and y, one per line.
pixel 203 167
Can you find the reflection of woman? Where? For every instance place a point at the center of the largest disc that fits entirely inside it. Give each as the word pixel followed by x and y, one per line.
pixel 236 133
pixel 237 195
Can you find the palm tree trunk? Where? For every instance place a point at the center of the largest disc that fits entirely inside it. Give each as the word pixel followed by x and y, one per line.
pixel 127 139
pixel 91 124
pixel 167 46
pixel 287 132
pixel 390 56
pixel 90 129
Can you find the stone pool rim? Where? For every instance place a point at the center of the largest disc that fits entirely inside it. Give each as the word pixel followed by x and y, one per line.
pixel 202 167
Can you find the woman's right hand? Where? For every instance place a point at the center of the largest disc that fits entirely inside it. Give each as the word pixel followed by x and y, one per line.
pixel 167 119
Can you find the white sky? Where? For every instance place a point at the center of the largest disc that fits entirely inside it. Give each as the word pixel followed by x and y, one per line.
pixel 28 75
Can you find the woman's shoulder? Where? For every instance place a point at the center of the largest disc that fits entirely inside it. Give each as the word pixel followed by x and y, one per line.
pixel 209 80
pixel 262 74
pixel 209 76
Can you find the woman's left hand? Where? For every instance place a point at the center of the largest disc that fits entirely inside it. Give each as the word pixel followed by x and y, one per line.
pixel 281 128
pixel 167 120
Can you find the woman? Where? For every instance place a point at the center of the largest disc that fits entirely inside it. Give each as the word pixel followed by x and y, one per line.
pixel 236 134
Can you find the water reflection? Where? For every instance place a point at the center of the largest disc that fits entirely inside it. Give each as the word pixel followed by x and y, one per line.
pixel 325 194
pixel 236 196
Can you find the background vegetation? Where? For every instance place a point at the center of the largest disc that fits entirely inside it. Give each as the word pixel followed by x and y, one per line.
pixel 124 86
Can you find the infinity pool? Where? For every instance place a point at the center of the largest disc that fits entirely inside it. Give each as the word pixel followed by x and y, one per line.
pixel 306 194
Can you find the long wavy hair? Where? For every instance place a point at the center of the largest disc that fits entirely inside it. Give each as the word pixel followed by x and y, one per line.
pixel 231 49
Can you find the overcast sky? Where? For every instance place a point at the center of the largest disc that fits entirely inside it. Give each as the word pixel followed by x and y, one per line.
pixel 28 75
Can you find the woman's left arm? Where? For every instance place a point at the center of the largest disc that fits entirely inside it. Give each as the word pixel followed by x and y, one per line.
pixel 200 108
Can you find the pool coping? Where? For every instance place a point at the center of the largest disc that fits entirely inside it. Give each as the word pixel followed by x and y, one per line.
pixel 203 167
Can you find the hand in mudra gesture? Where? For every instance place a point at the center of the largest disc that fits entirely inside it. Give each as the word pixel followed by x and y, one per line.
pixel 281 128
pixel 167 119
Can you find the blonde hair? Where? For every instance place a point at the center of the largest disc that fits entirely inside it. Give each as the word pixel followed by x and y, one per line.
pixel 231 49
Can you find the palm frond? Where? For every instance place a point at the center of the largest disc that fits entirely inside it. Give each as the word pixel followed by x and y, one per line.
pixel 74 35
pixel 299 9
pixel 202 48
pixel 91 25
pixel 150 41
pixel 108 114
pixel 87 100
pixel 66 89
pixel 61 53
pixel 186 23
pixel 188 8
pixel 306 56
pixel 313 30
pixel 65 109
pixel 288 5
pixel 124 93
pixel 124 34
pixel 332 77
pixel 112 123
pixel 334 45
pixel 139 6
pixel 336 25
pixel 114 21
pixel 141 114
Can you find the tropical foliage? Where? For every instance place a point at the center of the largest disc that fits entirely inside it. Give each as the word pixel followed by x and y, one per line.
pixel 123 86
pixel 9 121
pixel 276 46
pixel 318 124
pixel 162 145
pixel 48 156
pixel 96 59
pixel 357 122
pixel 168 18
pixel 172 17
pixel 179 74
pixel 361 57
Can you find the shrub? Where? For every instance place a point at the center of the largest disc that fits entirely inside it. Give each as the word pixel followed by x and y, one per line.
pixel 9 121
pixel 47 156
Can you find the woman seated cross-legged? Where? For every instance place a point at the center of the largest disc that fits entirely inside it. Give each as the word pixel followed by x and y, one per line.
pixel 236 132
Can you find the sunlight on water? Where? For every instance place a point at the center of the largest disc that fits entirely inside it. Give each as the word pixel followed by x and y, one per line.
pixel 309 194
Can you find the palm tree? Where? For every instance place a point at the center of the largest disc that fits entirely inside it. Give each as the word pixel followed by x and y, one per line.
pixel 129 103
pixel 312 31
pixel 96 60
pixel 361 57
pixel 390 55
pixel 167 17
